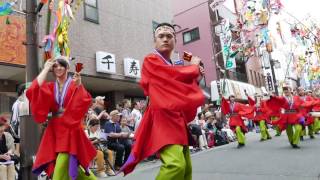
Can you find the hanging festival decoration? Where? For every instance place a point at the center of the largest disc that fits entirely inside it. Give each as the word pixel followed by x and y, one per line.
pixel 57 43
pixel 6 8
pixel 226 44
pixel 275 6
pixel 279 31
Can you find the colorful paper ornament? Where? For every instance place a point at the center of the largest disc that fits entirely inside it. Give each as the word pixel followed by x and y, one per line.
pixel 6 8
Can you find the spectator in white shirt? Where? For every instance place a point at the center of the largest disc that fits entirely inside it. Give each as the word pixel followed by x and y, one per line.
pixel 136 114
pixel 126 113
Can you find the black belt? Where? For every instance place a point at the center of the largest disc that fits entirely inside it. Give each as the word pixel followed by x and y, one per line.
pixel 290 111
pixel 233 114
pixel 258 113
pixel 56 114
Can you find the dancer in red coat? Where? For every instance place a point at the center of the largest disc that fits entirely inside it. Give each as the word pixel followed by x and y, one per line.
pixel 174 98
pixel 315 112
pixel 305 110
pixel 292 117
pixel 236 111
pixel 64 147
pixel 261 115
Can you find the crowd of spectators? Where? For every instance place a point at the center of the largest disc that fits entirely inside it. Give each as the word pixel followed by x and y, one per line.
pixel 209 129
pixel 112 133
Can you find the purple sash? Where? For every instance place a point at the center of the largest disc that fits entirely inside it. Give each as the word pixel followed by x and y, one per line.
pixel 59 97
pixel 162 58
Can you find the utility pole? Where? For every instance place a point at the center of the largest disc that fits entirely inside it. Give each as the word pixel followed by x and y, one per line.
pixel 30 133
pixel 275 84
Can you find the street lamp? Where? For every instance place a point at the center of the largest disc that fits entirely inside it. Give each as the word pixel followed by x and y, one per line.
pixel 275 84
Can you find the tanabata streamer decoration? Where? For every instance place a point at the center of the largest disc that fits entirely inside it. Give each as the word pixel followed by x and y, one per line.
pixel 57 43
pixel 226 44
pixel 6 8
pixel 253 22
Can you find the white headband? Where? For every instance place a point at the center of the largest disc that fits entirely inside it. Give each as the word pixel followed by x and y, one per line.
pixel 164 28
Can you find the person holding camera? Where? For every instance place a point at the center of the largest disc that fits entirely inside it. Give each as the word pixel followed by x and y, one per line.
pixel 99 109
pixel 174 98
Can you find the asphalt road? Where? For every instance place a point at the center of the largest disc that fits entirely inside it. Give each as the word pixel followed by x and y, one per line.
pixel 269 160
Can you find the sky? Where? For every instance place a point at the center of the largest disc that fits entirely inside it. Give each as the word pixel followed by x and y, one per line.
pixel 301 8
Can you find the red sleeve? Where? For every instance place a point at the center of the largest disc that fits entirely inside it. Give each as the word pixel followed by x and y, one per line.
pixel 316 105
pixel 265 109
pixel 308 103
pixel 298 101
pixel 77 106
pixel 251 101
pixel 171 87
pixel 154 70
pixel 275 103
pixel 41 100
pixel 225 107
pixel 246 111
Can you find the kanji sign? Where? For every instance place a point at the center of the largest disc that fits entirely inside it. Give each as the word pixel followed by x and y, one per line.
pixel 105 62
pixel 132 67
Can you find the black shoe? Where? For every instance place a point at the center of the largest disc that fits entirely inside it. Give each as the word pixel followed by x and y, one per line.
pixel 295 146
pixel 312 137
pixel 301 138
pixel 291 144
pixel 240 145
pixel 278 135
pixel 269 137
pixel 261 140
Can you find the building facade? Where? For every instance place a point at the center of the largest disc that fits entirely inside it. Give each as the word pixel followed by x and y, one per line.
pixel 111 39
pixel 200 33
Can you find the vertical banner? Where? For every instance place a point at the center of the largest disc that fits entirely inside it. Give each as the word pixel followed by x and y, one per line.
pixel 226 40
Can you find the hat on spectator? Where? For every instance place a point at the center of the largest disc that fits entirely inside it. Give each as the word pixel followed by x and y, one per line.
pixel 115 112
pixel 100 98
pixel 208 114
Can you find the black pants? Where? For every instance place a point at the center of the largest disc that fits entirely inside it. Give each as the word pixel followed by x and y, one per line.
pixel 119 149
pixel 127 143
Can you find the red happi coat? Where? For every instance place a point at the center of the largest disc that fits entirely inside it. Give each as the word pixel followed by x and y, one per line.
pixel 261 113
pixel 64 133
pixel 240 110
pixel 306 108
pixel 316 105
pixel 314 108
pixel 286 118
pixel 174 98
